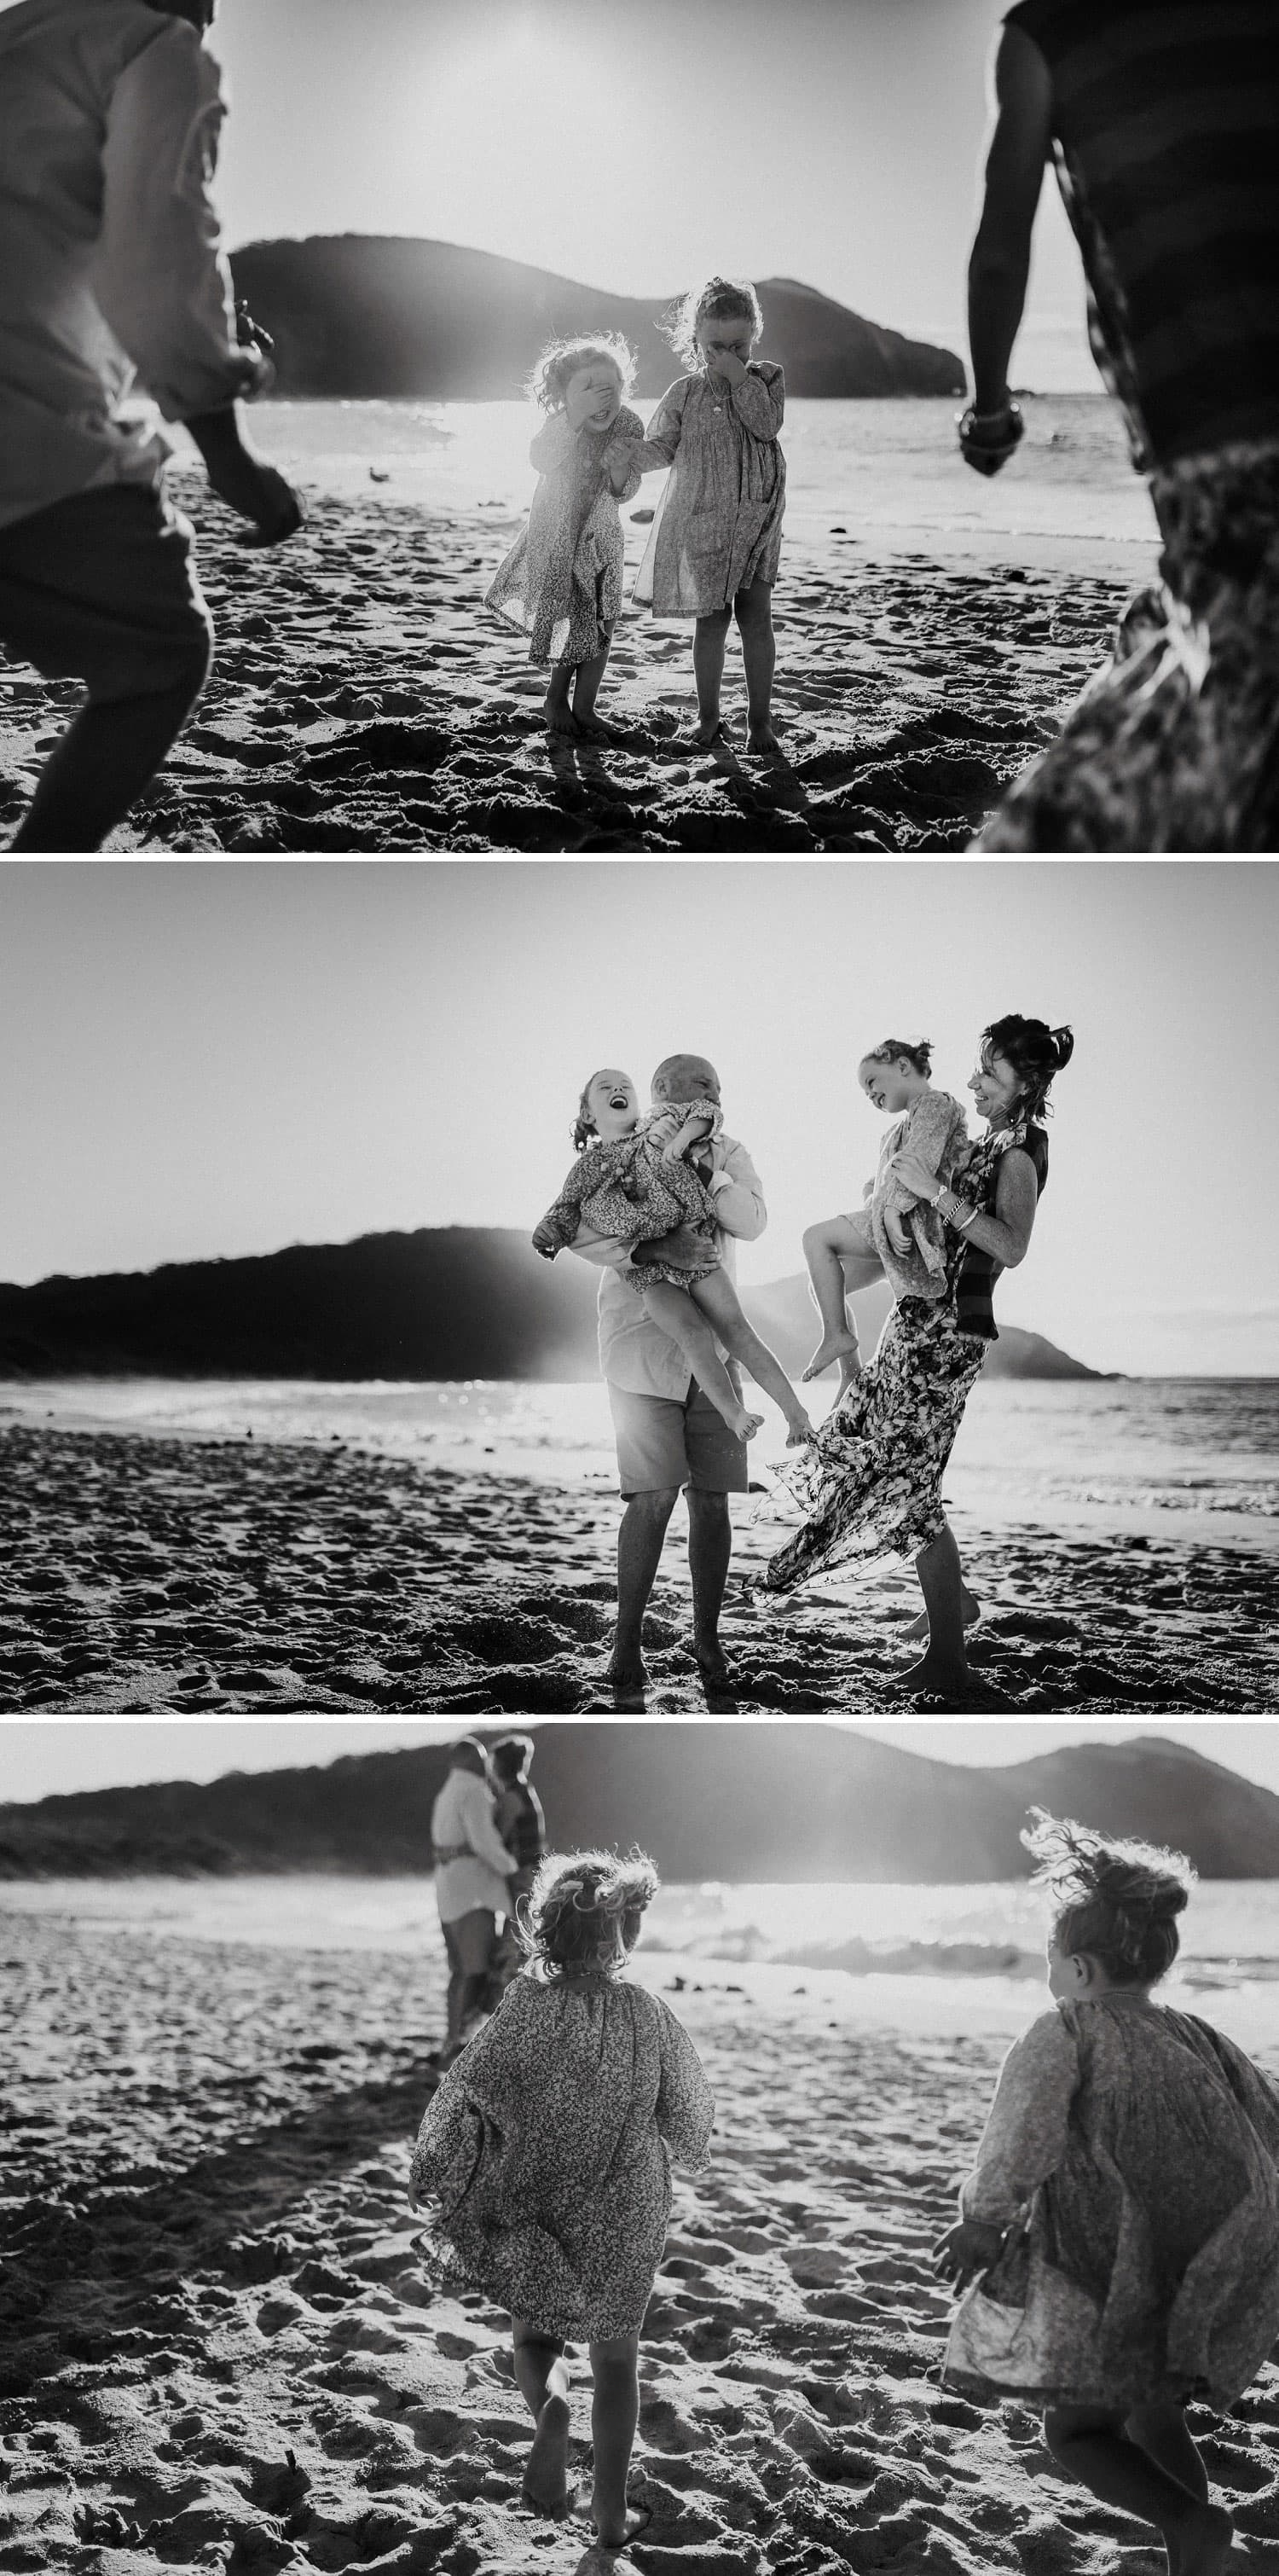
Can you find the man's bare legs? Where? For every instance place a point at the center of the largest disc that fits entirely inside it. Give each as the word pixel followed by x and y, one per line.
pixel 837 1262
pixel 717 1298
pixel 710 1549
pixel 753 609
pixel 614 2415
pixel 639 1553
pixel 541 2376
pixel 674 1309
pixel 1097 2450
pixel 108 754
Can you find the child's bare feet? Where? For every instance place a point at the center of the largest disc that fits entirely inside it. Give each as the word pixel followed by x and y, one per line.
pixel 594 729
pixel 1207 2541
pixel 613 2531
pixel 561 721
pixel 744 1425
pixel 800 1431
pixel 706 734
pixel 832 1347
pixel 761 738
pixel 545 2485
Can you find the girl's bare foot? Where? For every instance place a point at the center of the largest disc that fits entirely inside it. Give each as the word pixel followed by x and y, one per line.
pixel 1207 2541
pixel 744 1425
pixel 594 729
pixel 545 2485
pixel 706 733
pixel 614 2531
pixel 832 1347
pixel 800 1431
pixel 956 1684
pixel 761 738
pixel 561 721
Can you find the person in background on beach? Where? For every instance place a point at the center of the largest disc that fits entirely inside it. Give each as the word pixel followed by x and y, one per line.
pixel 895 1235
pixel 1121 2224
pixel 562 580
pixel 473 1874
pixel 1162 123
pixel 715 544
pixel 517 1814
pixel 547 2151
pixel 110 269
pixel 870 1483
pixel 670 1438
pixel 632 1182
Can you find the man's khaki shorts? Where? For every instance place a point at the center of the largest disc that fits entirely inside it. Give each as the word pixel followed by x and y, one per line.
pixel 662 1442
pixel 101 588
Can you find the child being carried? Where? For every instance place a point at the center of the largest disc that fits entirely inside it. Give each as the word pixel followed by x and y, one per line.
pixel 893 1234
pixel 633 1179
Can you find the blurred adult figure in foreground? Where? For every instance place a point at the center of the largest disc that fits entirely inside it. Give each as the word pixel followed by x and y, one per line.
pixel 1161 117
pixel 473 1872
pixel 112 283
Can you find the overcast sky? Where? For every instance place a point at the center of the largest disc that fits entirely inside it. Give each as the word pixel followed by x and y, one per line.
pixel 640 149
pixel 59 1755
pixel 210 1058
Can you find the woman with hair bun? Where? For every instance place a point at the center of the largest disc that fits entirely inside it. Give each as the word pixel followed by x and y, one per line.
pixel 870 1481
pixel 547 2152
pixel 1120 2227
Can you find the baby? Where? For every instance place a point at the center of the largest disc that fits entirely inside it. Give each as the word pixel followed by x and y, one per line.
pixel 632 1180
pixel 893 1234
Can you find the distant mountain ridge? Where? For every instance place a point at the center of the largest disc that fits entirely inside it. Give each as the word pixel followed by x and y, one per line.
pixel 800 1802
pixel 357 316
pixel 444 1302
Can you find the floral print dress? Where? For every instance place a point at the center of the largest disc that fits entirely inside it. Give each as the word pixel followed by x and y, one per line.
pixel 719 521
pixel 547 2151
pixel 870 1482
pixel 1133 2152
pixel 562 580
pixel 623 1187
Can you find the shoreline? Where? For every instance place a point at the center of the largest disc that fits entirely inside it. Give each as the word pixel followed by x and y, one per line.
pixel 169 1575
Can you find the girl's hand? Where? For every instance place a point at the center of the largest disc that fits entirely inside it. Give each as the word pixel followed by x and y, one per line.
pixel 726 363
pixel 967 2249
pixel 914 1176
pixel 691 1129
pixel 546 1241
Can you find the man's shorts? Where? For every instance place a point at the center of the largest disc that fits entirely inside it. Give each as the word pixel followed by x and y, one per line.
pixel 101 588
pixel 662 1442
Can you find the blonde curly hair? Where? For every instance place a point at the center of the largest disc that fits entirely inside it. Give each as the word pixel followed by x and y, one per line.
pixel 1118 1901
pixel 561 359
pixel 721 299
pixel 585 1910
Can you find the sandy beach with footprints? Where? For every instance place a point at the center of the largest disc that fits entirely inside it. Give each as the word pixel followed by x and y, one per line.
pixel 221 2349
pixel 146 1573
pixel 362 700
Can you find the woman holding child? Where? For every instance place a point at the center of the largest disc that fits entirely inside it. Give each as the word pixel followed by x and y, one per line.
pixel 871 1480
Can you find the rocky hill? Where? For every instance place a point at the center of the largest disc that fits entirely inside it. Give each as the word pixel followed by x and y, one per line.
pixel 354 316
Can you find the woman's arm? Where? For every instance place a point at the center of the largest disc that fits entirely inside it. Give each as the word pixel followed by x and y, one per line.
pixel 1006 1232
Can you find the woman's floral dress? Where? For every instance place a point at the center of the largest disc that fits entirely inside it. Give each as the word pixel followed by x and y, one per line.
pixel 547 2151
pixel 562 580
pixel 870 1481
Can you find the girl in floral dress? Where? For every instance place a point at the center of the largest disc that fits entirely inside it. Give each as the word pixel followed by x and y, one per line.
pixel 1121 2224
pixel 894 1235
pixel 562 580
pixel 716 540
pixel 547 2154
pixel 870 1481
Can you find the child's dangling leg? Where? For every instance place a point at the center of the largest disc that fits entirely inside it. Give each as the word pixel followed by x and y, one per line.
pixel 674 1310
pixel 614 2415
pixel 541 2376
pixel 717 1298
pixel 710 640
pixel 837 1262
pixel 753 608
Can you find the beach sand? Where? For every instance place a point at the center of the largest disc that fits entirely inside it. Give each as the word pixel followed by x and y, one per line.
pixel 363 701
pixel 221 2349
pixel 147 1574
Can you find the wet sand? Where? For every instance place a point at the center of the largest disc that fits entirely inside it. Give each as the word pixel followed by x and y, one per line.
pixel 220 2348
pixel 363 701
pixel 147 1574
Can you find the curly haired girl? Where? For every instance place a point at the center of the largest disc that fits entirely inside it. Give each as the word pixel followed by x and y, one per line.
pixel 1121 2224
pixel 562 580
pixel 716 540
pixel 547 2152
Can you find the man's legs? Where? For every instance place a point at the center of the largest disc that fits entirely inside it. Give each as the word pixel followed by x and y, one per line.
pixel 639 1553
pixel 468 1940
pixel 105 758
pixel 710 1549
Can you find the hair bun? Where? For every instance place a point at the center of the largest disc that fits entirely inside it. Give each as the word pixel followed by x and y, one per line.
pixel 1062 1042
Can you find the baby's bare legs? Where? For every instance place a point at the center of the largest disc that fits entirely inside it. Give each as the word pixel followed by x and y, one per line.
pixel 614 2415
pixel 674 1310
pixel 717 1298
pixel 710 639
pixel 838 1261
pixel 541 2376
pixel 753 609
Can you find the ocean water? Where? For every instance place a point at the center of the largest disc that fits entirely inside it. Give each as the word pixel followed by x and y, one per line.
pixel 880 469
pixel 939 1959
pixel 1182 1457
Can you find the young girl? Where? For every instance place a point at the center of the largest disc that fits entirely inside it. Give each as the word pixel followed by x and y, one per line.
pixel 894 1235
pixel 1121 2224
pixel 632 1181
pixel 716 539
pixel 548 2152
pixel 562 580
